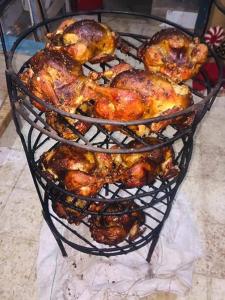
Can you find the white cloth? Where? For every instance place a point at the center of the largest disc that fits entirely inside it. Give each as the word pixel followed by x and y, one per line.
pixel 81 276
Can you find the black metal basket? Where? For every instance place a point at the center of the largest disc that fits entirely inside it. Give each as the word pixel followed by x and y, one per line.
pixel 154 200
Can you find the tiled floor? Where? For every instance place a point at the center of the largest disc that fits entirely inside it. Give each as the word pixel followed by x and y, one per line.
pixel 20 214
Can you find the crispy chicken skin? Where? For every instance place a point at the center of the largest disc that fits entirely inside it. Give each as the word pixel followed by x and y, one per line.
pixel 111 72
pixel 67 127
pixel 113 229
pixel 136 170
pixel 119 104
pixel 71 214
pixel 159 97
pixel 174 54
pixel 80 171
pixel 85 173
pixel 83 41
pixel 133 94
pixel 57 79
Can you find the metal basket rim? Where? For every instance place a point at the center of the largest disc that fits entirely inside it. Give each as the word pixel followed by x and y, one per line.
pixel 12 73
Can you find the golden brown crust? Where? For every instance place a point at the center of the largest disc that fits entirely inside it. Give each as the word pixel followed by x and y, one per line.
pixel 85 173
pixel 66 127
pixel 160 97
pixel 113 229
pixel 174 54
pixel 82 172
pixel 71 214
pixel 136 170
pixel 85 40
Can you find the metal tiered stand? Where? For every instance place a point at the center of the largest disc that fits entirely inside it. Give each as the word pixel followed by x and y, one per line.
pixel 154 200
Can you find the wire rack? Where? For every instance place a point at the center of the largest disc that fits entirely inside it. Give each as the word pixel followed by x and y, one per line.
pixel 155 200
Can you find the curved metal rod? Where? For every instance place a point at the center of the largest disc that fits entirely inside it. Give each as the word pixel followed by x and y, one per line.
pixel 14 76
pixel 96 149
pixel 194 107
pixel 139 243
pixel 95 12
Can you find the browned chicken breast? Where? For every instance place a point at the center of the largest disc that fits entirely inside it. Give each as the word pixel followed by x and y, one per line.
pixel 84 41
pixel 136 170
pixel 174 54
pixel 57 79
pixel 81 171
pixel 147 96
pixel 113 229
pixel 85 173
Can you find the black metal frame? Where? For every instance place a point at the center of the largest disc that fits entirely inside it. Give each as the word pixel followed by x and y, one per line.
pixel 155 200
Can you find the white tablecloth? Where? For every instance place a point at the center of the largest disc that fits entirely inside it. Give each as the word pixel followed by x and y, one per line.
pixel 81 276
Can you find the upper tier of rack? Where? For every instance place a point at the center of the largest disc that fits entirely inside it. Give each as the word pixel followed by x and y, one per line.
pixel 98 138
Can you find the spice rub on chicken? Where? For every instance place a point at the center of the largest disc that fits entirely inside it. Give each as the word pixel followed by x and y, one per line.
pixel 84 41
pixel 150 95
pixel 115 228
pixel 173 54
pixel 82 172
pixel 85 173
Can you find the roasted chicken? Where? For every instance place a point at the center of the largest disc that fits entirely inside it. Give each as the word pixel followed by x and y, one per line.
pixel 136 170
pixel 57 79
pixel 174 54
pixel 148 96
pixel 85 173
pixel 113 229
pixel 84 41
pixel 133 94
pixel 67 127
pixel 80 171
pixel 71 213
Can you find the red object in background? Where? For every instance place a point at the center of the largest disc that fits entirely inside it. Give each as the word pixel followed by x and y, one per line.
pixel 88 4
pixel 212 73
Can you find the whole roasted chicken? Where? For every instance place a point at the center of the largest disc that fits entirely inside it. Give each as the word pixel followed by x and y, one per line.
pixel 151 95
pixel 82 172
pixel 174 54
pixel 113 229
pixel 57 79
pixel 138 169
pixel 84 41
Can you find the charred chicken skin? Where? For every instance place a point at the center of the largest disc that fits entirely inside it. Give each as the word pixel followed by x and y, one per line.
pixel 136 170
pixel 84 41
pixel 67 127
pixel 174 54
pixel 113 229
pixel 85 173
pixel 80 171
pixel 71 213
pixel 150 95
pixel 57 79
pixel 133 94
